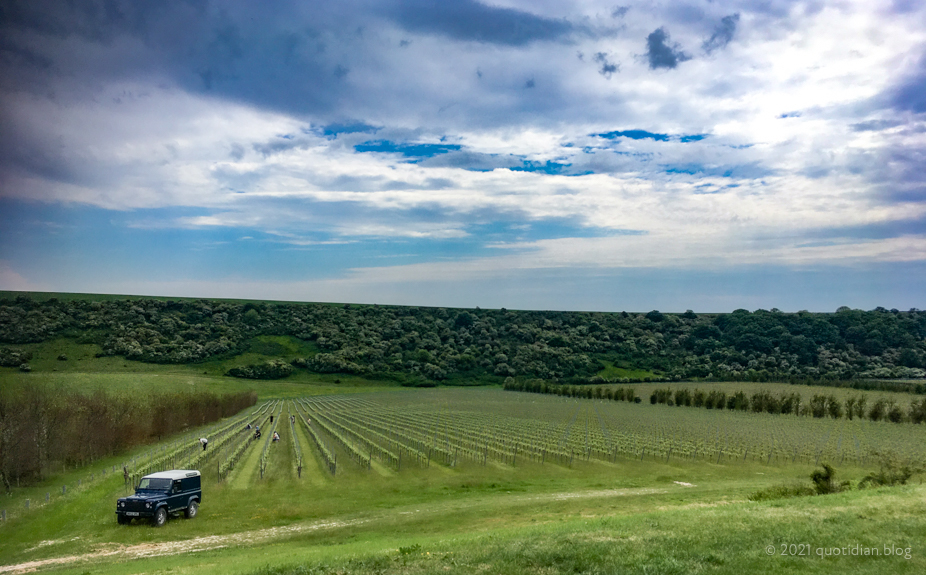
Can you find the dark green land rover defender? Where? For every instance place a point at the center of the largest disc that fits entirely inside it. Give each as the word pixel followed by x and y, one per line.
pixel 160 494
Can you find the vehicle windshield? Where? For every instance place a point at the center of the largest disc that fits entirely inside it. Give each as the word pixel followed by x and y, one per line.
pixel 154 483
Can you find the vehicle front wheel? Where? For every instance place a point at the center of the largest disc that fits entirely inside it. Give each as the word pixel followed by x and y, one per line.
pixel 192 510
pixel 122 519
pixel 160 517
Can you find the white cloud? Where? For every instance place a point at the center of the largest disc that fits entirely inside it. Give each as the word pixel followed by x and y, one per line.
pixel 11 280
pixel 763 188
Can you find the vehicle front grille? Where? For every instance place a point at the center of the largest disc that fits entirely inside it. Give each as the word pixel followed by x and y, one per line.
pixel 133 505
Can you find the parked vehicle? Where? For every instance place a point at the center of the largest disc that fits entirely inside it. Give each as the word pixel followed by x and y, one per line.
pixel 161 494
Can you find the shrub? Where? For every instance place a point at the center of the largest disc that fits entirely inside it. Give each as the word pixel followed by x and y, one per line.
pixel 824 481
pixel 781 492
pixel 273 369
pixel 890 472
pixel 13 357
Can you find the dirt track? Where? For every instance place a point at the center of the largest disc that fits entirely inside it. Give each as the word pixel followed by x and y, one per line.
pixel 187 546
pixel 124 552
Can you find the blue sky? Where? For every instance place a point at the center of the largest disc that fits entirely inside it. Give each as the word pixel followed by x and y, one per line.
pixel 540 155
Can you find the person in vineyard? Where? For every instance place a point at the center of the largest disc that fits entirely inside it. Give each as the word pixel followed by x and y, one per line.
pixel 276 436
pixel 204 442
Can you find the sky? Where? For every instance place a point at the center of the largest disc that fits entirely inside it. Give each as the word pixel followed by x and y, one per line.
pixel 567 155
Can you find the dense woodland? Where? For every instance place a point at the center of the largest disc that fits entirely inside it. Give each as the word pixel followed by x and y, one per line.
pixel 456 345
pixel 42 427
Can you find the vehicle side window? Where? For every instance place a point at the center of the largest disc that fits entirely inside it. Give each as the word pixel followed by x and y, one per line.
pixel 176 487
pixel 190 483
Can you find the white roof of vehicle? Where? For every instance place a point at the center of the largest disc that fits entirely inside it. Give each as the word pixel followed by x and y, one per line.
pixel 174 474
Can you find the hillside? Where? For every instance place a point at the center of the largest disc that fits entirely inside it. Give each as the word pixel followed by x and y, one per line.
pixel 419 346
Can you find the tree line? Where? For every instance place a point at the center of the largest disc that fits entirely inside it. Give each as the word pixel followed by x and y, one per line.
pixel 578 391
pixel 819 406
pixel 43 427
pixel 456 345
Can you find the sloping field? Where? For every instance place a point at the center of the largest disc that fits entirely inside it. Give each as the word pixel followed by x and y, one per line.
pixel 481 480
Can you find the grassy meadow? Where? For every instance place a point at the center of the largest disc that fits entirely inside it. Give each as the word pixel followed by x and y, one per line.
pixel 608 513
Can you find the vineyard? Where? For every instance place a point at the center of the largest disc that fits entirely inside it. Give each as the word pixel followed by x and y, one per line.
pixel 456 427
pixel 452 461
pixel 450 428
pixel 461 427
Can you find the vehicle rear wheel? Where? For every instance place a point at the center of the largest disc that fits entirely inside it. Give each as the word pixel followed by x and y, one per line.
pixel 160 517
pixel 192 510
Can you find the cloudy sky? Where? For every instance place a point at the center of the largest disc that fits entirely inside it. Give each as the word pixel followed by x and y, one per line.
pixel 543 154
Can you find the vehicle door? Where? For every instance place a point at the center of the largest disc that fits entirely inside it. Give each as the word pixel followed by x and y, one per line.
pixel 175 499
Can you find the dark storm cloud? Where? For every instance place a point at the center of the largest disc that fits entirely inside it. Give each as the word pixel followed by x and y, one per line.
pixel 876 231
pixel 660 53
pixel 472 161
pixel 280 144
pixel 900 175
pixel 894 170
pixel 275 57
pixel 314 60
pixel 473 21
pixel 338 128
pixel 607 68
pixel 722 34
pixel 95 20
pixel 745 171
pixel 875 125
pixel 905 6
pixel 909 94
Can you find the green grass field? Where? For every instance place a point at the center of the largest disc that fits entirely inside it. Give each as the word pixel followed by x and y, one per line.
pixel 681 513
pixel 612 371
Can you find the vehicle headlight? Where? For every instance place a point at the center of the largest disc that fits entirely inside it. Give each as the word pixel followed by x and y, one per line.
pixel 122 504
pixel 147 506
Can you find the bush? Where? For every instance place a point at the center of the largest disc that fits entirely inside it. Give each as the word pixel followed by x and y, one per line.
pixel 782 492
pixel 890 472
pixel 329 363
pixel 273 369
pixel 824 481
pixel 13 357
